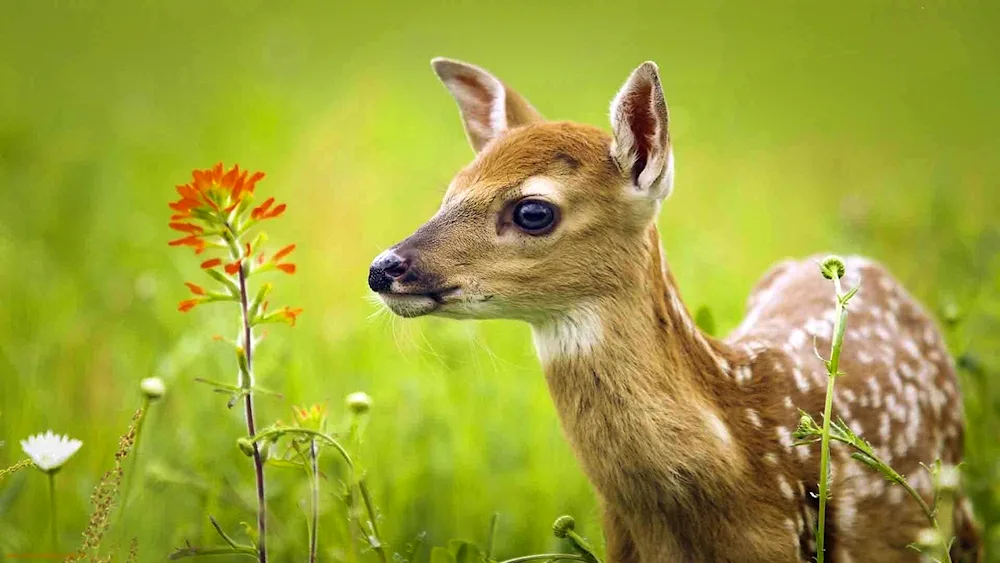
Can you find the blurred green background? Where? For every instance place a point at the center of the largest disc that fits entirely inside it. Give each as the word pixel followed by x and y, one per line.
pixel 858 127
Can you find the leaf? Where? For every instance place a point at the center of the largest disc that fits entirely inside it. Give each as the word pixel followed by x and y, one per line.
pixel 468 553
pixel 442 555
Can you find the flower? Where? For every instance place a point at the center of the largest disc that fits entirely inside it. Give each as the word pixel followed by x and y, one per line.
pixel 216 213
pixel 289 315
pixel 50 451
pixel 313 417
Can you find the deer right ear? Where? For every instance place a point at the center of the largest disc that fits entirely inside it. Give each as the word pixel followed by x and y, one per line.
pixel 488 107
pixel 641 143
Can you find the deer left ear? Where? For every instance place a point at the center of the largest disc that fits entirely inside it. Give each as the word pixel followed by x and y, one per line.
pixel 641 143
pixel 488 107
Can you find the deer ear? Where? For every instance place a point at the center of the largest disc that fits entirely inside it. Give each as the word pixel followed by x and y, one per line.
pixel 641 143
pixel 488 107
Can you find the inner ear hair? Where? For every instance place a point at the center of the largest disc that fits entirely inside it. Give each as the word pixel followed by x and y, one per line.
pixel 641 133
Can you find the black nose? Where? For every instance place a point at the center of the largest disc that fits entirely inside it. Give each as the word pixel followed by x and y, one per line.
pixel 387 267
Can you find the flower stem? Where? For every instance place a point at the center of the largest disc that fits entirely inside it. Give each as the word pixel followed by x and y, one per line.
pixel 52 512
pixel 258 462
pixel 833 370
pixel 314 529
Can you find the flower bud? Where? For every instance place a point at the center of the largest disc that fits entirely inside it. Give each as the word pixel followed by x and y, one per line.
pixel 563 526
pixel 833 266
pixel 152 388
pixel 359 403
pixel 949 478
pixel 928 538
pixel 246 445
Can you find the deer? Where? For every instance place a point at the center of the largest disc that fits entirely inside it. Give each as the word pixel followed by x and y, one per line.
pixel 686 438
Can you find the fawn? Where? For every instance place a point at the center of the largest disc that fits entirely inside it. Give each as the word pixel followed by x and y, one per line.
pixel 686 438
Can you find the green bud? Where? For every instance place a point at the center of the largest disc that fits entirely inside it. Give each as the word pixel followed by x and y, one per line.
pixel 152 387
pixel 833 266
pixel 359 403
pixel 563 526
pixel 246 445
pixel 951 314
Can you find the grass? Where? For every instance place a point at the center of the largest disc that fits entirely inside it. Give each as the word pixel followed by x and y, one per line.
pixel 885 115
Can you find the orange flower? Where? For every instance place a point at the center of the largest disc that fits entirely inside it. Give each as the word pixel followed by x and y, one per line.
pixel 195 289
pixel 233 268
pixel 282 253
pixel 290 315
pixel 187 305
pixel 193 241
pixel 262 208
pixel 212 190
pixel 187 228
pixel 287 268
pixel 213 263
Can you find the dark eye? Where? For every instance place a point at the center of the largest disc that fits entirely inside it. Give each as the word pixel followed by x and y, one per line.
pixel 535 217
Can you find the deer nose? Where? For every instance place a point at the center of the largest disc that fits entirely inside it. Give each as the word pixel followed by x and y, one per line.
pixel 386 268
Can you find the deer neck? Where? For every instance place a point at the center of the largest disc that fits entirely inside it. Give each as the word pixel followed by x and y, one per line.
pixel 636 386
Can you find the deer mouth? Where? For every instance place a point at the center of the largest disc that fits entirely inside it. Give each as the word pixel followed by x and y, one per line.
pixel 417 304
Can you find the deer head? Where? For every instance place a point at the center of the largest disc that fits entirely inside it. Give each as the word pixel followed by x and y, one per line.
pixel 546 217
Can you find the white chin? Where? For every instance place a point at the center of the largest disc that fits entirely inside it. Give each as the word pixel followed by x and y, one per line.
pixel 409 305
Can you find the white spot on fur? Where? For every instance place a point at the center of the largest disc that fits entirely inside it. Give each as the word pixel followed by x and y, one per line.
pixel 784 437
pixel 784 487
pixel 572 335
pixel 753 417
pixel 771 458
pixel 718 427
pixel 797 338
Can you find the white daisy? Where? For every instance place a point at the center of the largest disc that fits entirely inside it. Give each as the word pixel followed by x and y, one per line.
pixel 50 451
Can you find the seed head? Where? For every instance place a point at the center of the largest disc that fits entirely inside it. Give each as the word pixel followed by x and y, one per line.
pixel 152 388
pixel 359 403
pixel 833 266
pixel 563 526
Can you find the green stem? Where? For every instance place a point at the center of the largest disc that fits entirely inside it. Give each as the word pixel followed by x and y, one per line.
pixel 833 369
pixel 258 461
pixel 547 557
pixel 375 539
pixel 314 482
pixel 52 512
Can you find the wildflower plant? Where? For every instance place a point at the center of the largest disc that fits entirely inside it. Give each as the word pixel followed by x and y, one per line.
pixel 934 542
pixel 218 218
pixel 48 452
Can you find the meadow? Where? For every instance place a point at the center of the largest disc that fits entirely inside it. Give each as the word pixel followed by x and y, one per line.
pixel 857 128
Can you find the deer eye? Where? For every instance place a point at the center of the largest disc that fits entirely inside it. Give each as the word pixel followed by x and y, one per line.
pixel 535 217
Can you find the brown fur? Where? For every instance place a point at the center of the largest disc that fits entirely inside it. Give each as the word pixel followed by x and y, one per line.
pixel 686 438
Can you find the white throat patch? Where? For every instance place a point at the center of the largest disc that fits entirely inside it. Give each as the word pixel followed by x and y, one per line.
pixel 568 336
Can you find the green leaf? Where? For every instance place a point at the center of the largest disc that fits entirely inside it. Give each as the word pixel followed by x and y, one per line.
pixel 442 555
pixel 468 553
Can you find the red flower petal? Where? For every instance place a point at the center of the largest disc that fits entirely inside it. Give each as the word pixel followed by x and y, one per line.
pixel 282 253
pixel 187 228
pixel 187 305
pixel 195 289
pixel 233 268
pixel 287 268
pixel 214 262
pixel 277 211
